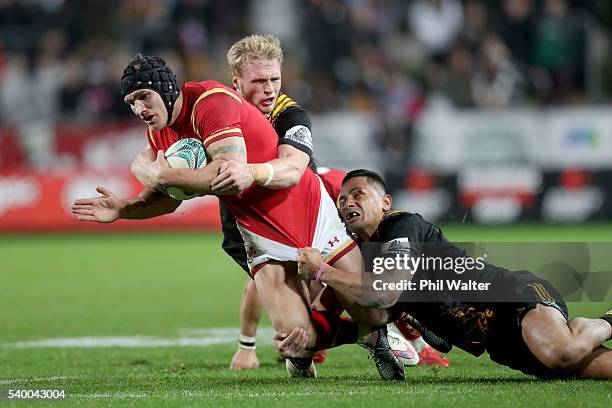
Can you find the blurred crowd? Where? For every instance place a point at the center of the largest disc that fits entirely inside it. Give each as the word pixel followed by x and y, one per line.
pixel 62 59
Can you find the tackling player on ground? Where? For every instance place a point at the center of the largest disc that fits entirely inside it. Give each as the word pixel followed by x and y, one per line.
pixel 530 331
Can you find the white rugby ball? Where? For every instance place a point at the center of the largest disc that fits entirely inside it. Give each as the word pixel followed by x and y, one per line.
pixel 185 154
pixel 402 349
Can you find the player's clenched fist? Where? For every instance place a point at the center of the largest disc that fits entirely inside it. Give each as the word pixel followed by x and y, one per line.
pixel 309 262
pixel 233 178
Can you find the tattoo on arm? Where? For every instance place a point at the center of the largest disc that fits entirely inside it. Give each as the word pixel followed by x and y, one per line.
pixel 228 149
pixel 138 205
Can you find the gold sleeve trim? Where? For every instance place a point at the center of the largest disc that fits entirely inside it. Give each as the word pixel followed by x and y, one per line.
pixel 215 135
pixel 204 95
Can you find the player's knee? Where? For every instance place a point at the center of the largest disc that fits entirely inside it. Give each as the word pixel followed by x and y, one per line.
pixel 250 289
pixel 380 299
pixel 286 323
pixel 564 357
pixel 369 315
pixel 375 317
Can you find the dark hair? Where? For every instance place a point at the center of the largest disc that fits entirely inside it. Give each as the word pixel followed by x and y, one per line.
pixel 372 177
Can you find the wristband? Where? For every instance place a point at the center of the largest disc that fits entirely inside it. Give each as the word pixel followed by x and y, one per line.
pixel 320 272
pixel 246 342
pixel 262 173
pixel 270 174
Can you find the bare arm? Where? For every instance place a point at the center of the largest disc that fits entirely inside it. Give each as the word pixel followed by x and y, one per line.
pixel 289 167
pixel 108 208
pixel 199 181
pixel 150 203
pixel 283 172
pixel 140 166
pixel 251 308
pixel 364 289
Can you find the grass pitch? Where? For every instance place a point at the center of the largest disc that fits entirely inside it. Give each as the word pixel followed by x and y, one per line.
pixel 151 320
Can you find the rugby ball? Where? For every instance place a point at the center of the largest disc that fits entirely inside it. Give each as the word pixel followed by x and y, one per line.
pixel 402 349
pixel 185 154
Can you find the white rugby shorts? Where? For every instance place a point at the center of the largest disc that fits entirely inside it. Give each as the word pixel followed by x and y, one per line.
pixel 330 238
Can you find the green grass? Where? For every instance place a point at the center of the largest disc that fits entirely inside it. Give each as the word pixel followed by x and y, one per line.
pixel 58 286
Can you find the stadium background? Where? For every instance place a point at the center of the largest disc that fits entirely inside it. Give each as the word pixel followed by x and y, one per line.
pixel 489 112
pixel 477 112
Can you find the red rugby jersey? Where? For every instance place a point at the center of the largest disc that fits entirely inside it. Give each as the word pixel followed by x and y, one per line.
pixel 211 112
pixel 332 181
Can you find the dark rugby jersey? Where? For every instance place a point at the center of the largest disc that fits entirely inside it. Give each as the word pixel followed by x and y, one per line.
pixel 463 324
pixel 293 126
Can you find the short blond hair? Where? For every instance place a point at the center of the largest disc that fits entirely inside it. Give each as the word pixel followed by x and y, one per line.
pixel 252 48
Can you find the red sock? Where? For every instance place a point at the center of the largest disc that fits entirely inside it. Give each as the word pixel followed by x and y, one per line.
pixel 326 325
pixel 332 330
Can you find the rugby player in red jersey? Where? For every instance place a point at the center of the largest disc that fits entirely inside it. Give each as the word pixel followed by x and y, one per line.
pixel 256 65
pixel 255 62
pixel 273 223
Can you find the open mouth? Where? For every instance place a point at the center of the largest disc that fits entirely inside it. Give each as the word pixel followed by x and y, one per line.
pixel 148 118
pixel 351 216
pixel 268 102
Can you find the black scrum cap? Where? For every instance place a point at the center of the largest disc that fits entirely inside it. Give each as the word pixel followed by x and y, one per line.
pixel 147 72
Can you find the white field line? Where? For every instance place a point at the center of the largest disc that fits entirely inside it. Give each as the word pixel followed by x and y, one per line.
pixel 35 379
pixel 216 394
pixel 185 338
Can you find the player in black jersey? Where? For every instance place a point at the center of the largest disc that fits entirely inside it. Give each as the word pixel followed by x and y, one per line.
pixel 518 318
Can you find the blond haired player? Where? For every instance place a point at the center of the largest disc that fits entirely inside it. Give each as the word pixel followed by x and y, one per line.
pixel 256 65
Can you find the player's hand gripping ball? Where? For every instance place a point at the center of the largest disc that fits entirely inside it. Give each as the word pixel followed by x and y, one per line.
pixel 185 154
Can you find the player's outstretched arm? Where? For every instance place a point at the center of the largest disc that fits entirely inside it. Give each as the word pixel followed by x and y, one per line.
pixel 150 203
pixel 109 208
pixel 364 289
pixel 102 209
pixel 276 174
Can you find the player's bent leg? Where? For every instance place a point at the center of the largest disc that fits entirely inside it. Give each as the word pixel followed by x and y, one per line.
pixel 598 364
pixel 593 332
pixel 561 346
pixel 286 298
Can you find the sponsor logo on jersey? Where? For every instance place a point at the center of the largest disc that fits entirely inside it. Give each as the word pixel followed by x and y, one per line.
pixel 397 245
pixel 300 134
